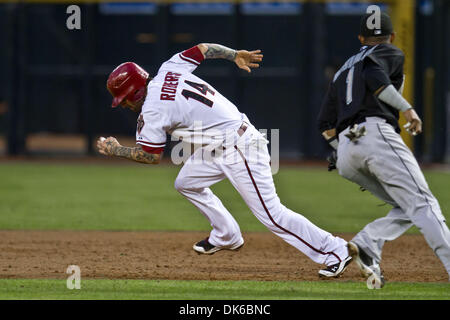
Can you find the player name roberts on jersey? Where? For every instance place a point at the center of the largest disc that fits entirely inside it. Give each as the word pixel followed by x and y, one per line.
pixel 170 85
pixel 183 105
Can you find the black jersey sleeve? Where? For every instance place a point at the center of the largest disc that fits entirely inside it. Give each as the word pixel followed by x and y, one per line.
pixel 391 60
pixel 328 112
pixel 375 76
pixel 397 75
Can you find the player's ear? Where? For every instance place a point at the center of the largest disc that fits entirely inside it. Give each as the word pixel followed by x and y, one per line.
pixel 392 38
pixel 361 38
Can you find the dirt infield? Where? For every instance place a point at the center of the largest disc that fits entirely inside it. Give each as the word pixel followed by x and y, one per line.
pixel 168 255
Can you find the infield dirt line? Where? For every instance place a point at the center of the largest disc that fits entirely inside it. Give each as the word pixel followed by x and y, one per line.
pixel 169 255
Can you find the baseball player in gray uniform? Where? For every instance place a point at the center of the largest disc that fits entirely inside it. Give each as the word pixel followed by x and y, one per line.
pixel 359 117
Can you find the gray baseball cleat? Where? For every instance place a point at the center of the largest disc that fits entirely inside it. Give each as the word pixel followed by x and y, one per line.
pixel 366 264
pixel 335 270
pixel 204 247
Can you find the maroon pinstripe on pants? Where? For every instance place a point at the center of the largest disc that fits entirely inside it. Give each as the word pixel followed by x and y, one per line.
pixel 270 216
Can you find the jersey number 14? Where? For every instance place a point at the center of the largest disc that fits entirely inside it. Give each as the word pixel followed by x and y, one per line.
pixel 202 88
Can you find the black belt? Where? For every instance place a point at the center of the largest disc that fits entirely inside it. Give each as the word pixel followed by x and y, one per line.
pixel 364 119
pixel 358 121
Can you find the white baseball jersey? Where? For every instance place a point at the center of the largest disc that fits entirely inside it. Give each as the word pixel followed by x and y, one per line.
pixel 185 106
pixel 181 104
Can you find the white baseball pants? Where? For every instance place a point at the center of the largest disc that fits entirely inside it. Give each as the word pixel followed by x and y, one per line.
pixel 247 165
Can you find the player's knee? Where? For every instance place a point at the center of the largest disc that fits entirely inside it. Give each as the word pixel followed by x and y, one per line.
pixel 182 184
pixel 179 185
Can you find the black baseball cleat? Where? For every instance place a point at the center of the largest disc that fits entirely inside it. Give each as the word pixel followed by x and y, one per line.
pixel 204 247
pixel 335 270
pixel 367 265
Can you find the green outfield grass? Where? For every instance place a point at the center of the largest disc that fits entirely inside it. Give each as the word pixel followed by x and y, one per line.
pixel 115 197
pixel 218 290
pixel 138 197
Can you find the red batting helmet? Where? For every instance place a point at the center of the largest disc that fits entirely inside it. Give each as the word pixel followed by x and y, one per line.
pixel 125 82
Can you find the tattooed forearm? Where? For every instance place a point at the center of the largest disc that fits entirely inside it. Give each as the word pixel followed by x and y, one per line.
pixel 217 51
pixel 136 154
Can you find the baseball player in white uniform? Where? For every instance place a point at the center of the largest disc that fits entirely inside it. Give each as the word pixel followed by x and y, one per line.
pixel 178 103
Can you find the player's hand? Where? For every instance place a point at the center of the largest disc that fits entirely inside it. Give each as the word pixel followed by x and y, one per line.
pixel 414 125
pixel 105 146
pixel 247 60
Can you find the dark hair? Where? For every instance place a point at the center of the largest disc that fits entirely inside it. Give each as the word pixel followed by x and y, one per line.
pixel 378 39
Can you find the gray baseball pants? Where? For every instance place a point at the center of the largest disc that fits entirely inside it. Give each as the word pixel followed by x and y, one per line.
pixel 381 163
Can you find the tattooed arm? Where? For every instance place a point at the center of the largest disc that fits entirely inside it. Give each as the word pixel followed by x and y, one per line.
pixel 217 51
pixel 243 58
pixel 111 147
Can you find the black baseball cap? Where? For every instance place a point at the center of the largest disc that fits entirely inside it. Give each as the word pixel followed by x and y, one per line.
pixel 384 30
